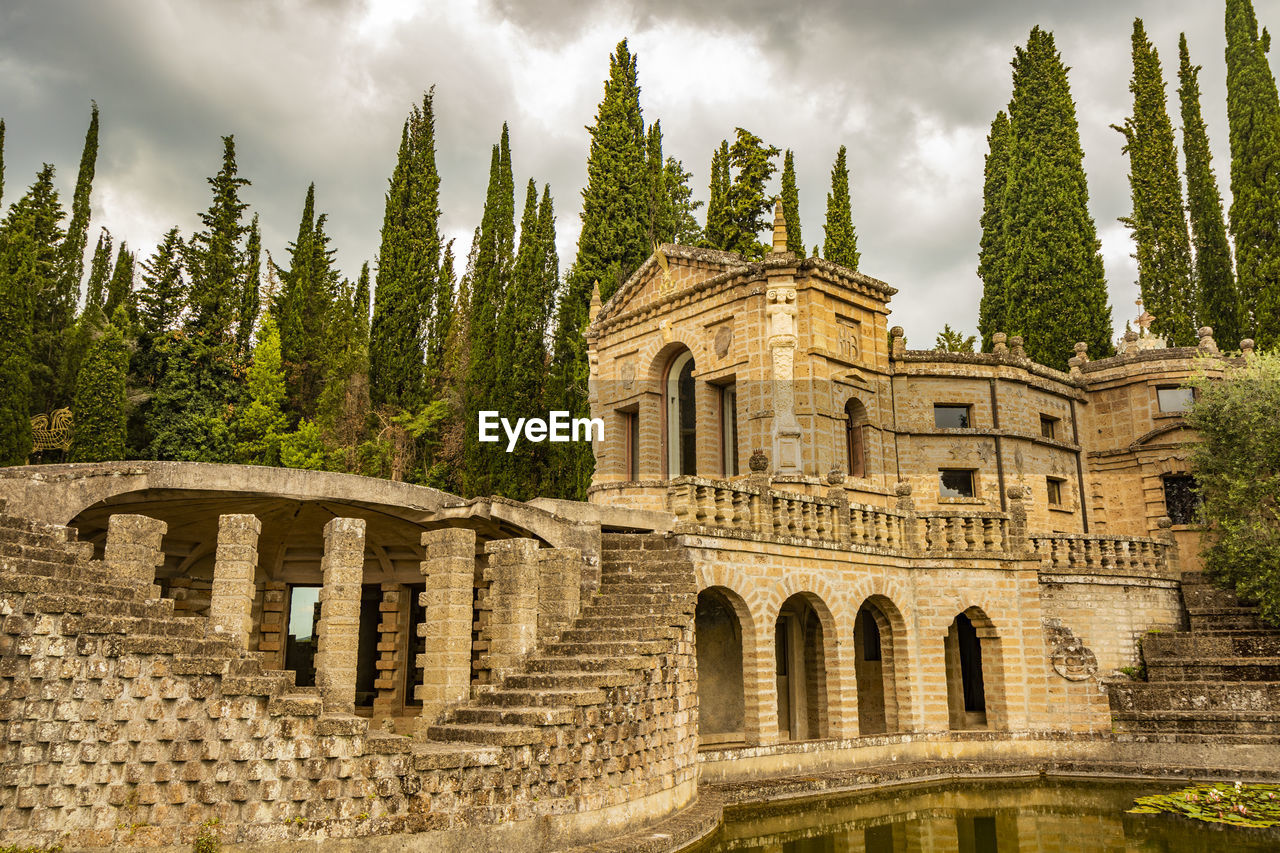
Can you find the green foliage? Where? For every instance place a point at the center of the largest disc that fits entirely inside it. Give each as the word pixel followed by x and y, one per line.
pixel 251 298
pixel 993 309
pixel 662 211
pixel 100 407
pixel 791 204
pixel 1158 222
pixel 1254 805
pixel 258 427
pixel 99 271
pixel 215 258
pixel 19 260
pixel 683 206
pixel 207 839
pixel 950 340
pixel 71 259
pixel 120 289
pixel 29 848
pixel 1236 464
pixel 716 234
pixel 750 209
pixel 1056 293
pixel 194 399
pixel 305 448
pixel 1 158
pixel 161 300
pixel 409 301
pixel 51 314
pixel 840 243
pixel 1253 113
pixel 1219 302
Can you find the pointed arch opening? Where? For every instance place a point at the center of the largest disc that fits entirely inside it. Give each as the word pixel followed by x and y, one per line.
pixel 800 658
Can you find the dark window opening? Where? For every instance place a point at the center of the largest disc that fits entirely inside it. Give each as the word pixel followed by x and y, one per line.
pixel 956 484
pixel 1054 488
pixel 729 429
pixel 950 417
pixel 1173 399
pixel 1181 498
pixel 870 636
pixel 417 645
pixel 1048 426
pixel 970 647
pixel 855 437
pixel 631 420
pixel 367 646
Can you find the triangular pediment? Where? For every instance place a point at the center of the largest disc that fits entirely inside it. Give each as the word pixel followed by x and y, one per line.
pixel 669 270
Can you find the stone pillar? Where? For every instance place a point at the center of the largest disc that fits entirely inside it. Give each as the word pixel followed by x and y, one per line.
pixel 272 627
pixel 133 547
pixel 781 312
pixel 559 590
pixel 836 493
pixel 339 632
pixel 234 567
pixel 513 590
pixel 1018 542
pixel 910 521
pixel 1165 525
pixel 390 683
pixel 449 571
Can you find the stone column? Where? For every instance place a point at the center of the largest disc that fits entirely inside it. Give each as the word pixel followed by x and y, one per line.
pixel 910 521
pixel 559 590
pixel 390 683
pixel 133 547
pixel 449 571
pixel 781 311
pixel 1018 542
pixel 339 631
pixel 1165 526
pixel 234 567
pixel 513 590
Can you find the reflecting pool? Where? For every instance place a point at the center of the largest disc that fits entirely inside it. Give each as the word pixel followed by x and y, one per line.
pixel 1008 816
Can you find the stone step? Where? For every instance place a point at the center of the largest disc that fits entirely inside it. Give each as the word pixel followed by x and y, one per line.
pixel 1202 722
pixel 485 735
pixel 185 646
pixel 30 578
pixel 166 626
pixel 513 715
pixel 431 755
pixel 92 605
pixel 563 698
pixel 586 635
pixel 76 573
pixel 199 665
pixel 588 663
pixel 1203 595
pixel 1224 618
pixel 567 680
pixel 607 622
pixel 1229 669
pixel 51 553
pixel 54 532
pixel 605 648
pixel 636 542
pixel 1196 696
pixel 1185 646
pixel 296 705
pixel 621 598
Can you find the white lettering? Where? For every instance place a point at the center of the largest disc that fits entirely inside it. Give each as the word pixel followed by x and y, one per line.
pixel 488 423
pixel 559 427
pixel 513 435
pixel 535 430
pixel 589 425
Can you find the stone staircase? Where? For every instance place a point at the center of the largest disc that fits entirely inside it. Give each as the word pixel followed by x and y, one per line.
pixel 1218 681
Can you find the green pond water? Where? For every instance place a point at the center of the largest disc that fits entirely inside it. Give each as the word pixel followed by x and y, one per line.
pixel 1007 816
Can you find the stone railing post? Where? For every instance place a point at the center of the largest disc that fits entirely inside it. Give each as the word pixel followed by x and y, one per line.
pixel 339 632
pixel 448 602
pixel 133 547
pixel 1172 557
pixel 513 591
pixel 559 590
pixel 1016 545
pixel 234 567
pixel 910 522
pixel 836 494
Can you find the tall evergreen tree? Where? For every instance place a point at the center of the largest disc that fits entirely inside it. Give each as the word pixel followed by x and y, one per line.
pixel 791 204
pixel 408 263
pixel 259 426
pixel 1219 301
pixel 662 212
pixel 50 318
pixel 750 208
pixel 99 271
pixel 215 256
pixel 1158 222
pixel 1057 292
pixel 1 162
pixel 993 309
pixel 101 408
pixel 120 289
pixel 683 206
pixel 73 246
pixel 840 241
pixel 251 297
pixel 1253 113
pixel 360 300
pixel 161 302
pixel 20 264
pixel 719 215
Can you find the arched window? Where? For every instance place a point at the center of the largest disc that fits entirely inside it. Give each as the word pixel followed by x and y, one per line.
pixel 855 437
pixel 682 418
pixel 718 644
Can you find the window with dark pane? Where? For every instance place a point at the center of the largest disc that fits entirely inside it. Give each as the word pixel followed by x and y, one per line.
pixel 1181 498
pixel 947 416
pixel 956 484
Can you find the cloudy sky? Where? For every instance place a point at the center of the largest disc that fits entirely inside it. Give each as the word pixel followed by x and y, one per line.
pixel 317 90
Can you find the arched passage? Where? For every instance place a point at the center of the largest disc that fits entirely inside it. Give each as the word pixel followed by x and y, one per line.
pixel 855 442
pixel 878 667
pixel 681 416
pixel 800 656
pixel 718 635
pixel 975 690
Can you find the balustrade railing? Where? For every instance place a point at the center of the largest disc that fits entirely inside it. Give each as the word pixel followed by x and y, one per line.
pixel 737 508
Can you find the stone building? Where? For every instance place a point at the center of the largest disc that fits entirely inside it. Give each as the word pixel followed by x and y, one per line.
pixel 807 548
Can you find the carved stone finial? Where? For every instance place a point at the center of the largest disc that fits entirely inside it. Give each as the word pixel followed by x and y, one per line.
pixel 779 228
pixel 1246 347
pixel 1073 365
pixel 759 462
pixel 596 304
pixel 836 477
pixel 1015 344
pixel 1082 351
pixel 1017 493
pixel 999 342
pixel 903 493
pixel 899 348
pixel 1164 522
pixel 1207 343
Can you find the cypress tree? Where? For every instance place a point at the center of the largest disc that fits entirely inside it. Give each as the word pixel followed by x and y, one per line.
pixel 1219 302
pixel 1253 113
pixel 99 272
pixel 993 310
pixel 215 257
pixel 662 212
pixel 750 209
pixel 1158 222
pixel 360 301
pixel 683 206
pixel 251 297
pixel 120 289
pixel 259 426
pixel 161 300
pixel 791 204
pixel 716 234
pixel 19 268
pixel 840 241
pixel 408 262
pixel 1 162
pixel 1057 292
pixel 73 246
pixel 51 315
pixel 101 411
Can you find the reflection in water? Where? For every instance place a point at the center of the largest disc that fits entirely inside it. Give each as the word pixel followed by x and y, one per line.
pixel 1008 816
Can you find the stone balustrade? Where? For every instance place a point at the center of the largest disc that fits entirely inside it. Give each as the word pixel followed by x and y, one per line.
pixel 1080 552
pixel 964 532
